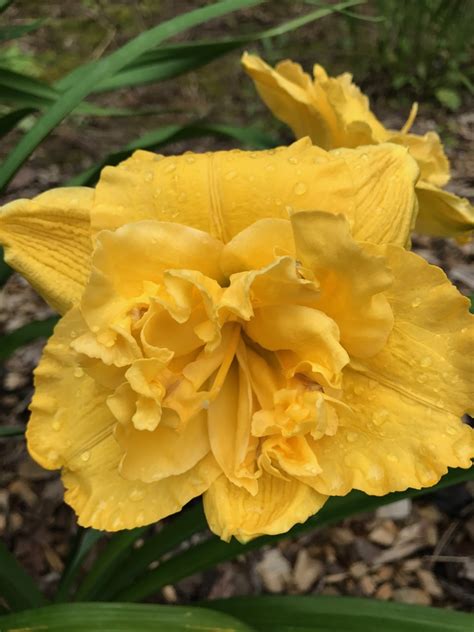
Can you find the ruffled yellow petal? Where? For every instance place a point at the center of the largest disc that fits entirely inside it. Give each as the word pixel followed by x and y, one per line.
pixel 428 152
pixel 442 212
pixel 351 280
pixel 47 239
pixel 153 456
pixel 229 422
pixel 71 426
pixel 277 506
pixel 405 428
pixel 290 95
pixel 225 192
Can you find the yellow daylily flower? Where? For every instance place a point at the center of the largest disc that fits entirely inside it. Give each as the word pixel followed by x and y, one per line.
pixel 333 112
pixel 222 338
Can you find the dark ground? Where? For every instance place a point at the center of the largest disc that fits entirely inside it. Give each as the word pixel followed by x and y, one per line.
pixel 417 552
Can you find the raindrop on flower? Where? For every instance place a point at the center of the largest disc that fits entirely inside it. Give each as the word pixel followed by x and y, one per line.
pixel 426 362
pixel 85 456
pixel 230 175
pixel 148 176
pixel 416 302
pixel 351 436
pixel 300 188
pixel 78 372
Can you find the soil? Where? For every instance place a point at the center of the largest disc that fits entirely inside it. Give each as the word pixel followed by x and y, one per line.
pixel 417 552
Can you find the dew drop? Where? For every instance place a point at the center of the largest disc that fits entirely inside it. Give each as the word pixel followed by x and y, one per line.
pixel 380 417
pixel 169 168
pixel 78 372
pixel 416 302
pixel 375 473
pixel 95 328
pixel 351 436
pixel 190 160
pixel 421 378
pixel 292 160
pixel 56 425
pixel 137 494
pixel 392 458
pixel 450 430
pixel 140 519
pixel 300 188
pixel 425 362
pixel 85 456
pixel 148 176
pixel 270 167
pixel 278 202
pixel 230 175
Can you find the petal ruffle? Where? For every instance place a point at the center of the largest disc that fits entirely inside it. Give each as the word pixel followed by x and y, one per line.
pixel 405 428
pixel 47 239
pixel 277 506
pixel 428 152
pixel 225 192
pixel 442 212
pixel 71 426
pixel 351 280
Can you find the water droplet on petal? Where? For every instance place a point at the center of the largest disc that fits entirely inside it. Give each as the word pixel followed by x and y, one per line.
pixel 56 425
pixel 416 302
pixel 169 168
pixel 425 362
pixel 95 328
pixel 300 188
pixel 351 436
pixel 380 417
pixel 292 160
pixel 190 159
pixel 230 175
pixel 85 456
pixel 137 494
pixel 78 372
pixel 148 176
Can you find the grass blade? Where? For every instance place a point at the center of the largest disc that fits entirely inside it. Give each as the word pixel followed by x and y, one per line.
pixel 23 335
pixel 173 533
pixel 16 586
pixel 18 30
pixel 171 133
pixel 85 541
pixel 107 67
pixel 334 614
pixel 121 617
pixel 213 551
pixel 5 270
pixel 11 431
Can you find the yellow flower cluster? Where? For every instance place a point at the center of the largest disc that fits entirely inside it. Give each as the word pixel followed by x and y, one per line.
pixel 333 112
pixel 244 325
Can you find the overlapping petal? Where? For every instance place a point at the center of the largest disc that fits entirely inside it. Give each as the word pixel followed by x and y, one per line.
pixel 48 240
pixel 334 113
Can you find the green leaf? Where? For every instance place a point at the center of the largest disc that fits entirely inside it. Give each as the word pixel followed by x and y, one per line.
pixel 5 270
pixel 172 133
pixel 109 560
pixel 107 67
pixel 86 539
pixel 176 531
pixel 11 431
pixel 23 335
pixel 338 614
pixel 449 98
pixel 121 617
pixel 16 586
pixel 172 61
pixel 10 121
pixel 18 30
pixel 214 550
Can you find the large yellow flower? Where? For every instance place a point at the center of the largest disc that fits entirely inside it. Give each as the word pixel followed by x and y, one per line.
pixel 333 112
pixel 258 352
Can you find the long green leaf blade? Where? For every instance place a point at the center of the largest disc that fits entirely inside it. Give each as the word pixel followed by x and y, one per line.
pixel 154 139
pixel 23 335
pixel 16 586
pixel 18 30
pixel 338 614
pixel 107 67
pixel 85 541
pixel 121 617
pixel 213 551
pixel 175 532
pixel 11 431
